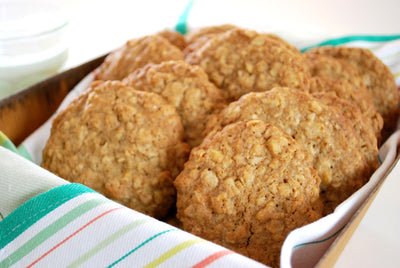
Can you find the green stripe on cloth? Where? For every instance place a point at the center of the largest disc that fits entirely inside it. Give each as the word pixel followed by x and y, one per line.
pixel 7 143
pixel 50 230
pixel 24 152
pixel 390 56
pixel 21 219
pixel 141 245
pixel 172 252
pixel 322 240
pixel 81 229
pixel 181 25
pixel 352 38
pixel 107 242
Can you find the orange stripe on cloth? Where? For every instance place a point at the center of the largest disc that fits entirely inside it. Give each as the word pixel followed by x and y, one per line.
pixel 212 258
pixel 73 234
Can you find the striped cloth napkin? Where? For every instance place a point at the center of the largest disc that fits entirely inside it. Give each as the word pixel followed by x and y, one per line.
pixel 49 222
pixel 73 226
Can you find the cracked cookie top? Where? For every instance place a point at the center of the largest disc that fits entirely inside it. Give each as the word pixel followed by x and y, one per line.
pixel 242 61
pixel 124 143
pixel 358 96
pixel 324 131
pixel 362 126
pixel 375 75
pixel 174 37
pixel 187 88
pixel 246 187
pixel 137 53
pixel 198 37
pixel 333 68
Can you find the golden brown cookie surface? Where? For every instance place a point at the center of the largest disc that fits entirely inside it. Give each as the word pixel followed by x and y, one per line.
pixel 323 130
pixel 246 188
pixel 329 67
pixel 201 36
pixel 195 34
pixel 375 75
pixel 175 38
pixel 123 143
pixel 187 88
pixel 242 61
pixel 198 37
pixel 359 96
pixel 137 53
pixel 363 127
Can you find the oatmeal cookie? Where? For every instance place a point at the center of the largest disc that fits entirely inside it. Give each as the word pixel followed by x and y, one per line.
pixel 195 34
pixel 174 37
pixel 187 88
pixel 124 143
pixel 197 38
pixel 137 53
pixel 323 129
pixel 375 75
pixel 242 61
pixel 329 67
pixel 358 96
pixel 246 187
pixel 363 127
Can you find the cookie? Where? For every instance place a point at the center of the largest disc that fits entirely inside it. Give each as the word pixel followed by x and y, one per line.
pixel 358 96
pixel 242 61
pixel 174 37
pixel 123 143
pixel 329 67
pixel 187 88
pixel 200 36
pixel 196 34
pixel 363 127
pixel 325 132
pixel 376 76
pixel 135 54
pixel 246 187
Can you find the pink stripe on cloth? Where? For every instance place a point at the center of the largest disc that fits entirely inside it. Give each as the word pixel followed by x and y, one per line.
pixel 210 259
pixel 72 235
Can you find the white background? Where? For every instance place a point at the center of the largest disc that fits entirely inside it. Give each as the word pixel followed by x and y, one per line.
pixel 97 26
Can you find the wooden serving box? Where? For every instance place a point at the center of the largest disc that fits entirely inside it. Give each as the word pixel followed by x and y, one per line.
pixel 25 111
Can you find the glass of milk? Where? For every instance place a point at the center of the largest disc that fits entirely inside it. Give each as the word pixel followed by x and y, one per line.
pixel 32 43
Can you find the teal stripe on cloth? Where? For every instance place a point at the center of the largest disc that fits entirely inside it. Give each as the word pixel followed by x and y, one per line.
pixel 110 239
pixel 181 25
pixel 322 240
pixel 52 229
pixel 352 38
pixel 21 219
pixel 141 245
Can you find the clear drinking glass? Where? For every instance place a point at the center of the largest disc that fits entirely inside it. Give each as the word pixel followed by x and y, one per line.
pixel 32 43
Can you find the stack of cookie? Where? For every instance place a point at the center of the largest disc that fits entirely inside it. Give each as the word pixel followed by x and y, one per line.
pixel 247 137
